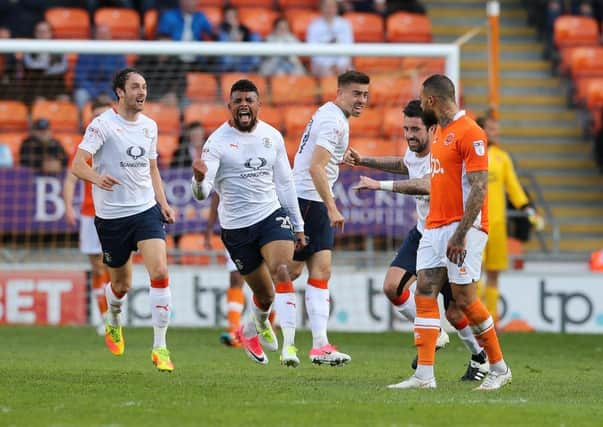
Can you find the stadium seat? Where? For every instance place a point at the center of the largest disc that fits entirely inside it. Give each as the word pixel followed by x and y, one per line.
pixel 268 4
pixel 69 140
pixel 167 117
pixel 426 66
pixel 68 23
pixel 62 115
pixel 367 27
pixel 70 74
pixel 393 122
pixel 327 88
pixel 213 14
pixel 369 124
pixel 210 115
pixel 124 23
pixel 201 87
pixel 376 147
pixel 571 30
pixel 581 87
pixel 13 116
pixel 594 96
pixel 228 79
pixel 387 90
pixel 166 144
pixel 293 4
pixel 13 140
pixel 296 119
pixel 586 62
pixel 258 19
pixel 289 89
pixel 408 28
pixel 291 144
pixel 150 24
pixel 377 64
pixel 273 116
pixel 299 20
pixel 195 242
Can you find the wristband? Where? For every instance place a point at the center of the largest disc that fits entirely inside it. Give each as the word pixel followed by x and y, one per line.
pixel 386 185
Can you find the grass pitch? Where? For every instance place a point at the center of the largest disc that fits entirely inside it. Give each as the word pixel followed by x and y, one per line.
pixel 66 377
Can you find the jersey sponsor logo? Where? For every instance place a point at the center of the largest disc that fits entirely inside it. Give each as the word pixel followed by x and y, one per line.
pixel 255 164
pixel 135 151
pixel 449 139
pixel 436 167
pixel 479 147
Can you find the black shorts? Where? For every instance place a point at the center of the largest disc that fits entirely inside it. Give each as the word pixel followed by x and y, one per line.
pixel 319 233
pixel 244 244
pixel 120 236
pixel 406 258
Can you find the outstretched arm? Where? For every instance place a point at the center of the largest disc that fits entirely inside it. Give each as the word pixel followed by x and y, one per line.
pixel 414 186
pixel 390 164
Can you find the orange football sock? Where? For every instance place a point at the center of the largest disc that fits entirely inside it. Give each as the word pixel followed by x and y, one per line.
pixel 98 290
pixel 483 328
pixel 235 300
pixel 427 329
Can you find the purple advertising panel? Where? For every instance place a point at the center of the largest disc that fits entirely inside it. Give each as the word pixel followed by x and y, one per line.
pixel 34 203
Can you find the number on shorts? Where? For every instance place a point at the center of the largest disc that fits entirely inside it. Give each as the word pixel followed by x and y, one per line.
pixel 285 222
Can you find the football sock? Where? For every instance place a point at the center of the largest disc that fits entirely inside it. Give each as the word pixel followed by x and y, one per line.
pixel 405 305
pixel 114 302
pixel 317 306
pixel 427 329
pixel 235 301
pixel 491 300
pixel 465 333
pixel 161 305
pixel 483 329
pixel 285 303
pixel 255 320
pixel 98 291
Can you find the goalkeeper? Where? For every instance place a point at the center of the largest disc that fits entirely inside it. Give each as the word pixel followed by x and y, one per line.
pixel 502 181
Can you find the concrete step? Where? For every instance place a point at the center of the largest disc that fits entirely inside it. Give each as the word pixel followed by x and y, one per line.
pixel 574 196
pixel 533 164
pixel 516 100
pixel 515 32
pixel 568 181
pixel 524 83
pixel 531 116
pixel 437 11
pixel 468 4
pixel 543 132
pixel 507 65
pixel 579 228
pixel 580 245
pixel 535 90
pixel 584 212
pixel 517 47
pixel 556 148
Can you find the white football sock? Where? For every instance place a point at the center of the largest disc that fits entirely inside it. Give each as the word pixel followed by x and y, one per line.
pixel 285 304
pixel 317 306
pixel 161 307
pixel 466 335
pixel 408 309
pixel 114 305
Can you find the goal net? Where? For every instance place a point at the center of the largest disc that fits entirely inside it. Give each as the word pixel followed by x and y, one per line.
pixel 188 85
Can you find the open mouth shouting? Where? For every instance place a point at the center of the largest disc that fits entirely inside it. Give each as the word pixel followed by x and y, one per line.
pixel 140 101
pixel 244 117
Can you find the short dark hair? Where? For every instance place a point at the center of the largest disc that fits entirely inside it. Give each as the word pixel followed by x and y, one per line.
pixel 120 78
pixel 413 109
pixel 100 102
pixel 193 125
pixel 441 86
pixel 244 85
pixel 352 76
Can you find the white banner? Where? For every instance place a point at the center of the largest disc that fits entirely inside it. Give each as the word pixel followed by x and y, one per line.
pixel 552 302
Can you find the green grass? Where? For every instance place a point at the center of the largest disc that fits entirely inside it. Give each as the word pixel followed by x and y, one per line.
pixel 65 377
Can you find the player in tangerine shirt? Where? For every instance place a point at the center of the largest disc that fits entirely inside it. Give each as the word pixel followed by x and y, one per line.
pixel 455 235
pixel 89 242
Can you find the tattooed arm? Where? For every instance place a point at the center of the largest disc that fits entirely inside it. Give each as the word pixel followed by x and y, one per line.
pixel 390 164
pixel 414 187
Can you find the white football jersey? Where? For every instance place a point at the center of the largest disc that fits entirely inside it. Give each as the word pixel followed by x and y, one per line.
pixel 122 149
pixel 418 167
pixel 251 173
pixel 329 128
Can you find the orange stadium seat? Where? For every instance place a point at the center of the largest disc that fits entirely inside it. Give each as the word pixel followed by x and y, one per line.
pixel 166 144
pixel 68 22
pixel 213 14
pixel 392 122
pixel 327 88
pixel 150 24
pixel 167 117
pixel 426 66
pixel 69 141
pixel 258 19
pixel 210 115
pixel 408 28
pixel 124 23
pixel 292 4
pixel 86 114
pixel 13 140
pixel 299 20
pixel 195 242
pixel 570 30
pixel 13 116
pixel 369 124
pixel 273 116
pixel 387 90
pixel 594 96
pixel 228 79
pixel 377 64
pixel 62 115
pixel 367 27
pixel 587 62
pixel 288 89
pixel 565 58
pixel 296 119
pixel 201 87
pixel 70 74
pixel 582 85
pixel 376 147
pixel 252 3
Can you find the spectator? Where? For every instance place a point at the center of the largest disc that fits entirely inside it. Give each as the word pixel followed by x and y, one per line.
pixel 274 65
pixel 410 6
pixel 186 24
pixel 160 5
pixel 8 70
pixel 41 152
pixel 165 76
pixel 329 28
pixel 94 72
pixel 20 16
pixel 190 146
pixel 231 30
pixel 44 73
